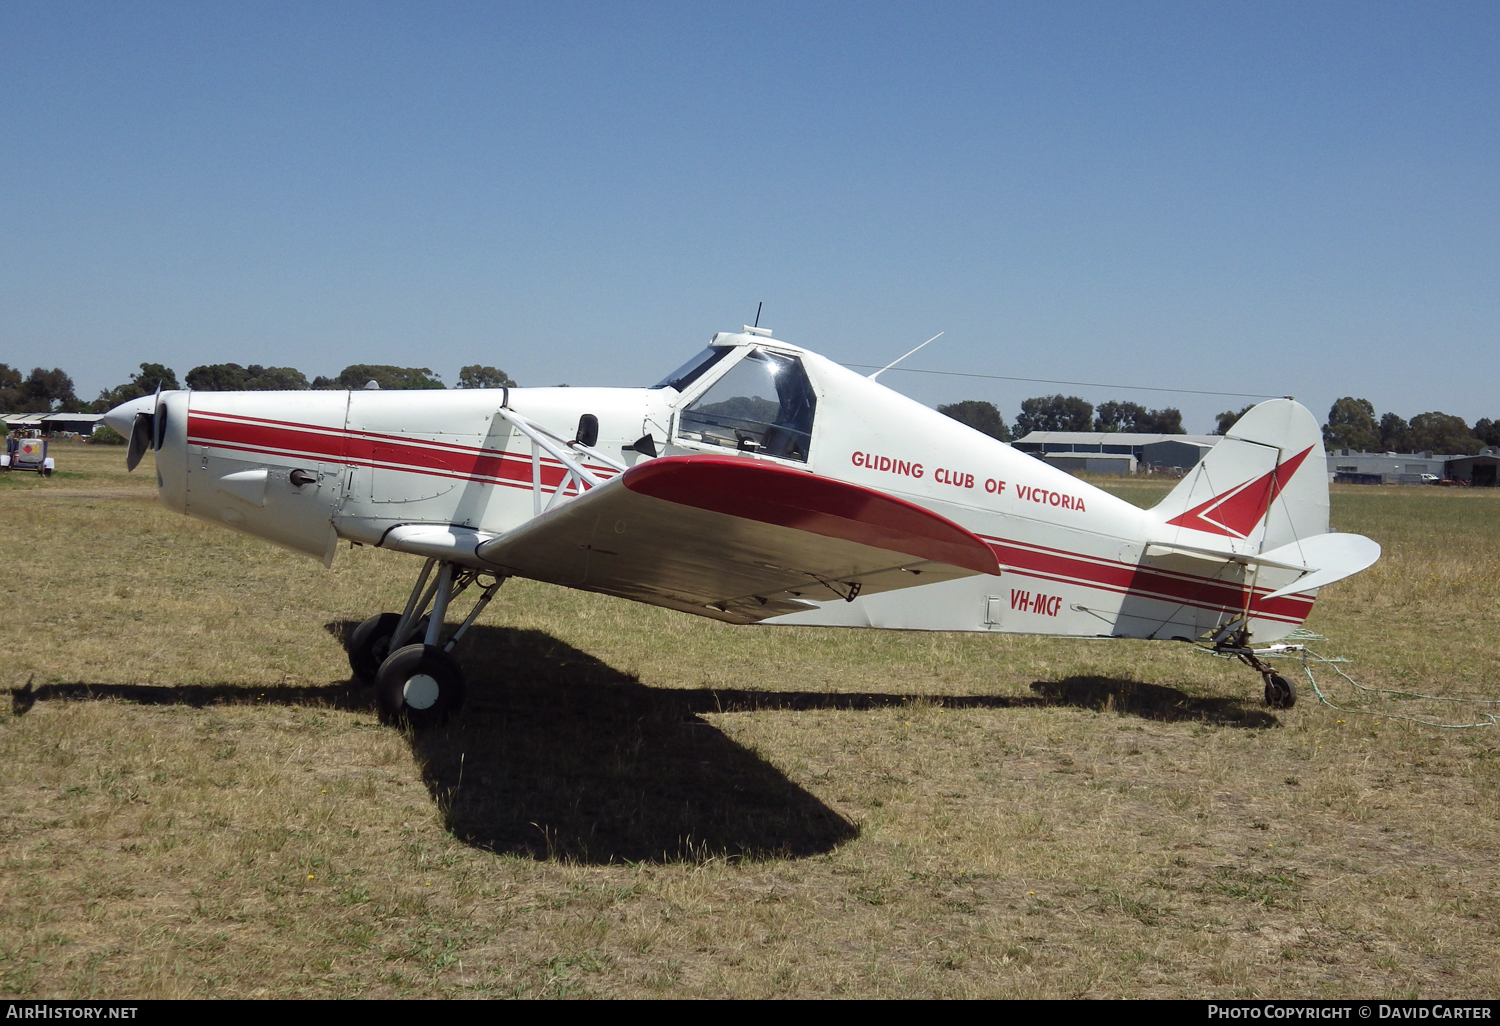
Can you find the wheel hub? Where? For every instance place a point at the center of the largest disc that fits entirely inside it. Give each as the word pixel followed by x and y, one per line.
pixel 420 691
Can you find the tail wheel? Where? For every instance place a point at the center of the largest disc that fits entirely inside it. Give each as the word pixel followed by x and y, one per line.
pixel 420 684
pixel 1280 692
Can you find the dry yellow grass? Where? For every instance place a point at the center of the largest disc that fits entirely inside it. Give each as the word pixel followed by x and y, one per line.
pixel 195 802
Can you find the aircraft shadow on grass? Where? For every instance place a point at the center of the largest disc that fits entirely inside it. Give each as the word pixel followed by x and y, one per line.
pixel 558 754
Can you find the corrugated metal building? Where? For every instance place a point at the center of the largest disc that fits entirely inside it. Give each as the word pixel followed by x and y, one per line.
pixel 52 423
pixel 1348 467
pixel 1089 463
pixel 1482 471
pixel 1156 452
pixel 83 423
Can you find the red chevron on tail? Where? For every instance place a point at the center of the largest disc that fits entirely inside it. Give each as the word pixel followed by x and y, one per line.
pixel 1235 513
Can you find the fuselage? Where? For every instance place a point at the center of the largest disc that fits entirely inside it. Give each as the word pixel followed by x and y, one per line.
pixel 306 469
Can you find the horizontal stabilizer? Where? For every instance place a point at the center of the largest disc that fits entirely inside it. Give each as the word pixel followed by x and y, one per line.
pixel 1321 559
pixel 1230 556
pixel 1332 557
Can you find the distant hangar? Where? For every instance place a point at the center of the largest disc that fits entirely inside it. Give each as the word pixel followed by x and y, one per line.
pixel 1346 466
pixel 1117 452
pixel 1122 453
pixel 52 423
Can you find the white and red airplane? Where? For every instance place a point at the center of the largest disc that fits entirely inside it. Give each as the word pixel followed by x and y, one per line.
pixel 757 483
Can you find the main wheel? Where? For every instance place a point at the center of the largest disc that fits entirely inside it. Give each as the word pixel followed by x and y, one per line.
pixel 420 684
pixel 1280 692
pixel 371 643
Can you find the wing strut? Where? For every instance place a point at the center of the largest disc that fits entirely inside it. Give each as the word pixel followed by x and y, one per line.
pixel 579 476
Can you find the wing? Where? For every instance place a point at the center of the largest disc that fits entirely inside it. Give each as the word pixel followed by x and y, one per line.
pixel 737 539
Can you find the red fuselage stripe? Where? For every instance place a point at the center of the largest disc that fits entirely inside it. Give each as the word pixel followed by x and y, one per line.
pixel 1115 567
pixel 381 451
pixel 1124 579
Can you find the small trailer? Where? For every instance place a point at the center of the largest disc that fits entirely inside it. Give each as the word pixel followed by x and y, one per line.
pixel 27 454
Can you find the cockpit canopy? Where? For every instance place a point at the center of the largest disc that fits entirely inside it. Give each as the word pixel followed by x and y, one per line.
pixel 694 369
pixel 763 404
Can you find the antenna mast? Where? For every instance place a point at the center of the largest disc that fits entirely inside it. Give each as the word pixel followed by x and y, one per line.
pixel 902 357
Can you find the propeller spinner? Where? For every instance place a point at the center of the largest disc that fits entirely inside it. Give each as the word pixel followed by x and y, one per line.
pixel 138 421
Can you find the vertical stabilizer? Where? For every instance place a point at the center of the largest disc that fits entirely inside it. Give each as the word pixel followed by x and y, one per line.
pixel 1263 487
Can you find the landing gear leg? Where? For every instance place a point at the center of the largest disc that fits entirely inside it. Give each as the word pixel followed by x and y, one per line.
pixel 1280 692
pixel 420 683
pixel 375 639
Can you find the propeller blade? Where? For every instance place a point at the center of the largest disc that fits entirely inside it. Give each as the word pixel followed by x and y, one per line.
pixel 140 439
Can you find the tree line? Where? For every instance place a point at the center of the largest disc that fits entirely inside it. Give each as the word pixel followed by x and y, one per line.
pixel 1352 425
pixel 52 391
pixel 1065 413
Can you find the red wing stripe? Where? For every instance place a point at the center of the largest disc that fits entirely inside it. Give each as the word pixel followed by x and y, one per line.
pixel 772 494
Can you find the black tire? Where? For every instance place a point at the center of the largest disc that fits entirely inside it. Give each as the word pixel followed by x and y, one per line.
pixel 371 643
pixel 421 685
pixel 1280 692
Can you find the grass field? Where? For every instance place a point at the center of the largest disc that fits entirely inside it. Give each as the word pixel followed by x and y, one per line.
pixel 195 802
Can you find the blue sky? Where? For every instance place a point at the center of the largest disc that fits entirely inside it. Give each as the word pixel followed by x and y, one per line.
pixel 1275 198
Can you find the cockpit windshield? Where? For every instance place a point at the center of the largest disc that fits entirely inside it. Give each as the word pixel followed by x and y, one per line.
pixel 764 404
pixel 694 369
